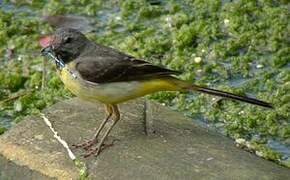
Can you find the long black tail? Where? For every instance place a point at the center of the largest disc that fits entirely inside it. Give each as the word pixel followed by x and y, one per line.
pixel 230 95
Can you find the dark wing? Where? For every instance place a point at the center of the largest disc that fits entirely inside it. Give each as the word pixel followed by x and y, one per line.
pixel 104 69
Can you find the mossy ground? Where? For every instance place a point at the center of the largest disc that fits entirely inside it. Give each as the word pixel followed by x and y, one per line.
pixel 240 46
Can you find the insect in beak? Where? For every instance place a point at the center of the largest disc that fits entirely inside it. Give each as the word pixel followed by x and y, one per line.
pixel 48 51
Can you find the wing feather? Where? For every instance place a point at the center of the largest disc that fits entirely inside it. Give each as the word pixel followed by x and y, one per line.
pixel 102 69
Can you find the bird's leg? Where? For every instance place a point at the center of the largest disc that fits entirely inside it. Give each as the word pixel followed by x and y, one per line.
pixel 96 151
pixel 86 145
pixel 109 114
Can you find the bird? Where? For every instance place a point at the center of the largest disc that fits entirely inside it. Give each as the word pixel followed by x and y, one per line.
pixel 99 73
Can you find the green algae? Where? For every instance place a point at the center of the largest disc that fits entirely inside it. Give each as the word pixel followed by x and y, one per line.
pixel 2 130
pixel 83 170
pixel 214 43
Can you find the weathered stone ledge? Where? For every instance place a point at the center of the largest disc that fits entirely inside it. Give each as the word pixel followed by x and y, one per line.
pixel 174 147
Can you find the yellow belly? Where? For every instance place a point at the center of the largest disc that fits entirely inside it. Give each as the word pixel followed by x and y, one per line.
pixel 115 92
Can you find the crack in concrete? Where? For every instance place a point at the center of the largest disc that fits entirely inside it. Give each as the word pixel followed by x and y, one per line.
pixel 83 173
pixel 148 119
pixel 58 138
pixel 145 117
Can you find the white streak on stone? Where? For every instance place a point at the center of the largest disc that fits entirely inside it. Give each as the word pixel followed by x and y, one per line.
pixel 62 142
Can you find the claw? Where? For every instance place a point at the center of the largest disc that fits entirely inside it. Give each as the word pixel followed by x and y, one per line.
pixel 93 151
pixel 86 145
pixel 97 150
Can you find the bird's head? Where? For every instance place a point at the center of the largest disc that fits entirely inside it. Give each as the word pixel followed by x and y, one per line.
pixel 66 44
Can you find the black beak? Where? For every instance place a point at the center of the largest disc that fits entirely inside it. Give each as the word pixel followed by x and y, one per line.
pixel 46 50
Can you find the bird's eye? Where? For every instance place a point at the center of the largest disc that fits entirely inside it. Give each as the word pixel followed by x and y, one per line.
pixel 67 40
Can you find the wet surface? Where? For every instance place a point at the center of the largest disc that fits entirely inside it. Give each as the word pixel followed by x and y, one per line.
pixel 6 122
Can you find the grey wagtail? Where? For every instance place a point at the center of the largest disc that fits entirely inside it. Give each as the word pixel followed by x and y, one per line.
pixel 95 72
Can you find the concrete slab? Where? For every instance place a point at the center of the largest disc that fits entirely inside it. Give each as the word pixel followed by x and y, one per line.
pixel 154 143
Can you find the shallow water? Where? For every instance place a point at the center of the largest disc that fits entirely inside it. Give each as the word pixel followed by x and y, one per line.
pixel 6 122
pixel 281 147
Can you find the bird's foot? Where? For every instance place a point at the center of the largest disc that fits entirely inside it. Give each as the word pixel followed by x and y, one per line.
pixel 86 145
pixel 98 149
pixel 94 151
